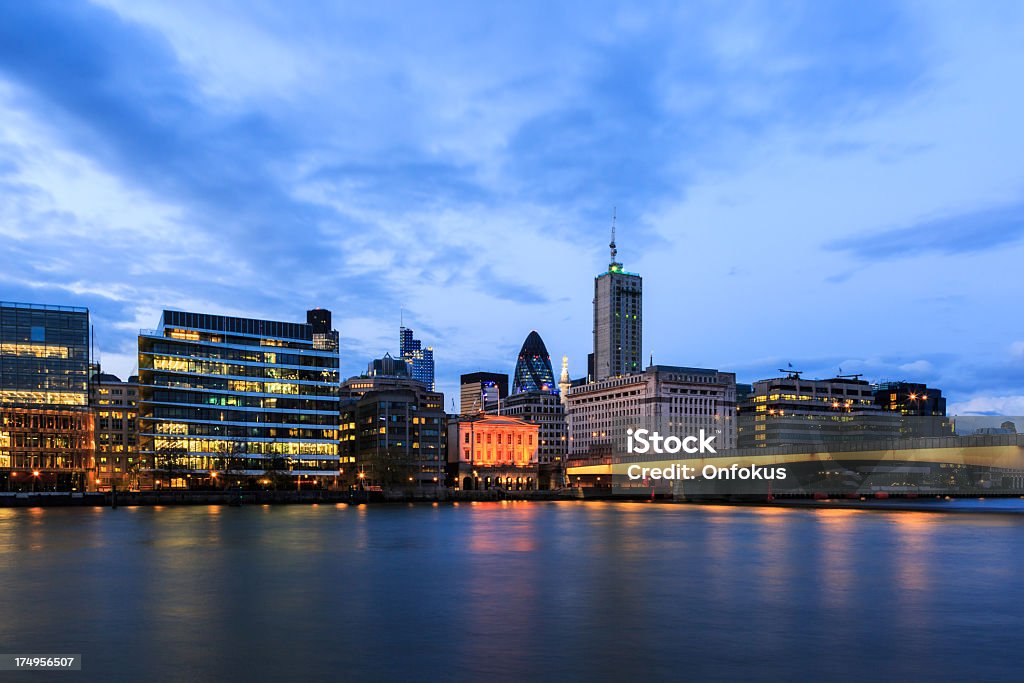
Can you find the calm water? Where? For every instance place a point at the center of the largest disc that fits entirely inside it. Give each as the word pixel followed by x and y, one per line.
pixel 477 591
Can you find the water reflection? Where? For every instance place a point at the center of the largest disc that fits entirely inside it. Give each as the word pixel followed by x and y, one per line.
pixel 511 590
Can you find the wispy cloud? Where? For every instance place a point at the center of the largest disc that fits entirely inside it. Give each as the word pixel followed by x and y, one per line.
pixel 950 235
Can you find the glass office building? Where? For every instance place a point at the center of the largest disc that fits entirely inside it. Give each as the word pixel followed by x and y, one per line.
pixel 238 399
pixel 533 373
pixel 46 429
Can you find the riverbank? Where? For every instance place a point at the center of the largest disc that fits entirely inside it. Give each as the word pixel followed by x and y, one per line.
pixel 234 498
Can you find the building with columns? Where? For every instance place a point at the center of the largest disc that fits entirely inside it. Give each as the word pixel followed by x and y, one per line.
pixel 492 451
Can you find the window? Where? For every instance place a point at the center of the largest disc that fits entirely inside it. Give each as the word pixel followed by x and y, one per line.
pixel 37 334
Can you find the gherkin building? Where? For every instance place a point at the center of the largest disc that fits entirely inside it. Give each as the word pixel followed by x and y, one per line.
pixel 533 369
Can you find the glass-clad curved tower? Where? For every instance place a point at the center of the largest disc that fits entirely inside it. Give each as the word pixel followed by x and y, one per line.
pixel 533 369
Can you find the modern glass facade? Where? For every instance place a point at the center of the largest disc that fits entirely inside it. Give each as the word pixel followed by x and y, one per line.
pixel 236 397
pixel 533 368
pixel 420 360
pixel 46 429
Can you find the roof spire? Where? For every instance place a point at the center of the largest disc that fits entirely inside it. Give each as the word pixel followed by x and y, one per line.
pixel 611 245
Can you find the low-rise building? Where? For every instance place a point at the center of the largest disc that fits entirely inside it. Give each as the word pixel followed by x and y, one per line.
pixel 492 451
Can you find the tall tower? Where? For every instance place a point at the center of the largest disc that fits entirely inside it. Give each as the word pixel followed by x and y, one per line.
pixel 618 319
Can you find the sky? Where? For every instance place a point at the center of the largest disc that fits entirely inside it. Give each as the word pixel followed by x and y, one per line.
pixel 835 185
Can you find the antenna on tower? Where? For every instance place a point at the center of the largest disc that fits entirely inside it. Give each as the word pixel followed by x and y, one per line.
pixel 611 245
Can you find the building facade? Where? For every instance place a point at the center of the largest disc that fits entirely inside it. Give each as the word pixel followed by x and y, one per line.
pixel 536 399
pixel 910 398
pixel 227 399
pixel 482 392
pixel 115 416
pixel 420 359
pixel 792 410
pixel 671 400
pixel 46 427
pixel 618 321
pixel 547 412
pixel 392 432
pixel 492 451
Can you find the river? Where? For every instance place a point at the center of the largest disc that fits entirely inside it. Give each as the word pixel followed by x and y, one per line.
pixel 570 590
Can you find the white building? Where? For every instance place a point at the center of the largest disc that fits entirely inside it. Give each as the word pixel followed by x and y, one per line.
pixel 664 398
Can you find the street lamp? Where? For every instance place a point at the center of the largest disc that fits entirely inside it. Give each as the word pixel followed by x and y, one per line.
pixel 35 478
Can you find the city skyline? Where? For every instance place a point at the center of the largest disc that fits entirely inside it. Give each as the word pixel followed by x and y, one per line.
pixel 835 188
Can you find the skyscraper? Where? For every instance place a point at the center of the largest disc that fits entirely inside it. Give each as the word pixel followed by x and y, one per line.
pixel 618 320
pixel 533 368
pixel 535 399
pixel 420 360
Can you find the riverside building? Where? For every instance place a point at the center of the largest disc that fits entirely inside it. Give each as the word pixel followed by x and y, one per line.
pixel 669 399
pixel 46 427
pixel 392 429
pixel 492 451
pixel 115 415
pixel 225 400
pixel 791 410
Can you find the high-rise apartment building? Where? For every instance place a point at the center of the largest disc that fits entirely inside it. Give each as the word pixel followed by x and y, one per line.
pixel 46 427
pixel 225 398
pixel 618 321
pixel 420 360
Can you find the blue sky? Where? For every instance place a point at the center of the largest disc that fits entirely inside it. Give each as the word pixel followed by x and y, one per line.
pixel 835 185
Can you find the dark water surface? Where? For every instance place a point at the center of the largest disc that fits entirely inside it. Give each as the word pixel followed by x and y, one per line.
pixel 504 591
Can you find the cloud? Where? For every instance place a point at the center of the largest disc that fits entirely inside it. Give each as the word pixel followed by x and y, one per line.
pixel 245 159
pixel 949 235
pixel 988 405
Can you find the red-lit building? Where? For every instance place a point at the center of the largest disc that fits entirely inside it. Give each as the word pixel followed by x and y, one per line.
pixel 492 451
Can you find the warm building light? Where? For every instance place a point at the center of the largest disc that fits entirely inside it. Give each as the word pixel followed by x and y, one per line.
pixel 35 473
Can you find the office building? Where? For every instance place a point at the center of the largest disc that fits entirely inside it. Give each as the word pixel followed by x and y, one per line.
pixel 618 321
pixel 669 399
pixel 420 359
pixel 535 398
pixel 387 366
pixel 225 399
pixel 533 368
pixel 492 451
pixel 791 410
pixel 482 392
pixel 392 432
pixel 115 415
pixel 46 427
pixel 910 398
